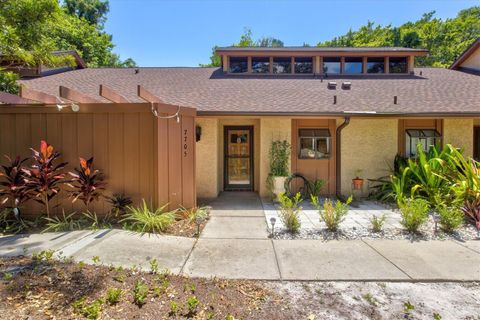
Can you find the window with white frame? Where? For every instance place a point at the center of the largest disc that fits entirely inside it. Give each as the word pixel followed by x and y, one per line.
pixel 427 138
pixel 314 143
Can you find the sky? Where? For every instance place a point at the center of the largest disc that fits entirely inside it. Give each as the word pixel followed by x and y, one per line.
pixel 182 33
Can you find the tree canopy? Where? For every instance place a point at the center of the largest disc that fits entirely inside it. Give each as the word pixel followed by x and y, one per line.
pixel 246 40
pixel 445 39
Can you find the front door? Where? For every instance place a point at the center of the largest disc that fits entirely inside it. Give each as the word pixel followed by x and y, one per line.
pixel 238 164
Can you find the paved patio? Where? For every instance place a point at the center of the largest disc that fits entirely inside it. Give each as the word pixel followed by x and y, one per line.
pixel 235 245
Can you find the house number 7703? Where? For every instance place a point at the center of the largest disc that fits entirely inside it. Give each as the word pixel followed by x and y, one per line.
pixel 185 145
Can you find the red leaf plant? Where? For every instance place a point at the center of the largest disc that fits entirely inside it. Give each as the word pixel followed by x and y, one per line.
pixel 44 178
pixel 471 209
pixel 87 183
pixel 13 186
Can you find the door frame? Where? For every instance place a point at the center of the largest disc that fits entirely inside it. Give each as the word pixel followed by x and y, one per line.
pixel 245 187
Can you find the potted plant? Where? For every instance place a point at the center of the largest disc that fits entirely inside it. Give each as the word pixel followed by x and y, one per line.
pixel 357 181
pixel 279 157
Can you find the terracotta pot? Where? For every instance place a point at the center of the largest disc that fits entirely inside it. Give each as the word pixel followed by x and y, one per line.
pixel 357 183
pixel 278 186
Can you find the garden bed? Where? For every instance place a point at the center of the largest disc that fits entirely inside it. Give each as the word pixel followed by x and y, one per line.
pixel 42 288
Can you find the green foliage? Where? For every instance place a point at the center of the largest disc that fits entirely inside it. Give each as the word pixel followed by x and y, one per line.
pixel 8 81
pixel 94 222
pixel 7 276
pixel 246 40
pixel 43 256
pixel 382 189
pixel 89 311
pixel 289 211
pixel 142 219
pixel 33 29
pixel 332 214
pixel 445 39
pixel 10 224
pixel 140 292
pixel 414 213
pixel 315 186
pixel 62 223
pixel 173 308
pixel 192 304
pixel 194 214
pixel 279 156
pixel 114 295
pixel 94 11
pixel 377 222
pixel 154 266
pixel 450 218
pixel 86 183
pixel 119 204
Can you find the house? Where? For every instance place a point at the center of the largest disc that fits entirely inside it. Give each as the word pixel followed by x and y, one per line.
pixel 469 60
pixel 342 110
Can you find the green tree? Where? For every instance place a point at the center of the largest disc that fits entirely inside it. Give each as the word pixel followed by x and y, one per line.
pixel 94 11
pixel 246 40
pixel 445 39
pixel 8 81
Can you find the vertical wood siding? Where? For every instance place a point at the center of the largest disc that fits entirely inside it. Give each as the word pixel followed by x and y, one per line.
pixel 140 155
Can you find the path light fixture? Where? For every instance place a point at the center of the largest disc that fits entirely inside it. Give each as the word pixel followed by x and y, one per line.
pixel 199 220
pixel 272 222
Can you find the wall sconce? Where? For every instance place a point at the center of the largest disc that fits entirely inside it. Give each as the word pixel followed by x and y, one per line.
pixel 198 133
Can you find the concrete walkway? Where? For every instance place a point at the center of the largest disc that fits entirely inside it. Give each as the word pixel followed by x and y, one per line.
pixel 235 245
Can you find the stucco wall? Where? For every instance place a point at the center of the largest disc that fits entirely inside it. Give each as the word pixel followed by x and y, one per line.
pixel 473 62
pixel 207 159
pixel 271 129
pixel 369 145
pixel 459 133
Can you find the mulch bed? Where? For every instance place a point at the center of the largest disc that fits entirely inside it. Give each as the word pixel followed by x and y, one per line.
pixel 48 289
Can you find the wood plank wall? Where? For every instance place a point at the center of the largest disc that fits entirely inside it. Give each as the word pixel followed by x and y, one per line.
pixel 140 155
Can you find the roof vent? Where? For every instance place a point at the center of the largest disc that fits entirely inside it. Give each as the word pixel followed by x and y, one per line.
pixel 137 70
pixel 332 85
pixel 346 85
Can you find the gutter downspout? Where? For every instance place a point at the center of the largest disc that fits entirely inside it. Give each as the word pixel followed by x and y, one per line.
pixel 338 159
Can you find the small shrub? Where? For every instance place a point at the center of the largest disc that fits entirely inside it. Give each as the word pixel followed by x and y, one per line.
pixel 332 213
pixel 13 186
pixel 140 292
pixel 154 266
pixel 96 259
pixel 43 256
pixel 114 295
pixel 471 209
pixel 414 213
pixel 143 219
pixel 89 311
pixel 10 224
pixel 173 308
pixel 7 276
pixel 192 214
pixel 119 203
pixel 192 304
pixel 95 223
pixel 377 222
pixel 44 177
pixel 315 186
pixel 62 223
pixel 86 183
pixel 279 156
pixel 450 218
pixel 289 211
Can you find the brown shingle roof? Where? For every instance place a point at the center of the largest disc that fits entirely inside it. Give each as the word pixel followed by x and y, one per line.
pixel 208 89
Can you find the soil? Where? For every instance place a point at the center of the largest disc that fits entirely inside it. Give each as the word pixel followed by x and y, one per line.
pixel 48 289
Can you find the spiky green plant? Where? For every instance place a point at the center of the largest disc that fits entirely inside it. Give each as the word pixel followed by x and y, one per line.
pixel 143 219
pixel 289 211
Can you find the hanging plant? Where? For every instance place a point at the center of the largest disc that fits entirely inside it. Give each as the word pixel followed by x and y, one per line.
pixel 87 183
pixel 44 178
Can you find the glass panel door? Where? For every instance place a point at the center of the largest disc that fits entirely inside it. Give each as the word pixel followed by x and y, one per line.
pixel 238 158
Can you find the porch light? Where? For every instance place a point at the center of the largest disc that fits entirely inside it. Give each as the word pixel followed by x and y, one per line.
pixel 272 222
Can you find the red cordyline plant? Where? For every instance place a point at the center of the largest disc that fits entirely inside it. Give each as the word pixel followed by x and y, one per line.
pixel 13 187
pixel 87 184
pixel 44 178
pixel 471 209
